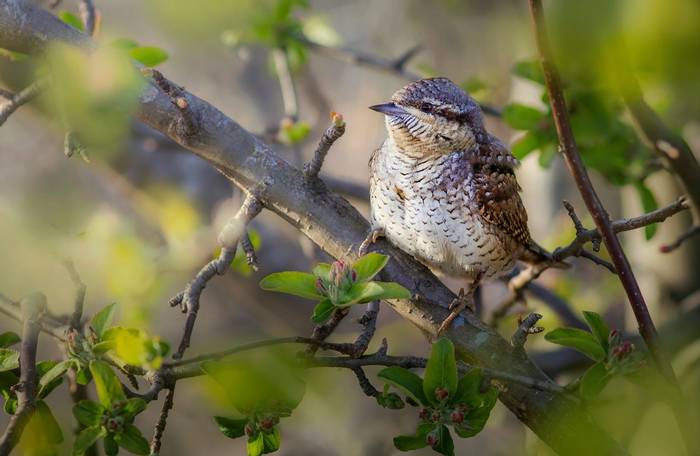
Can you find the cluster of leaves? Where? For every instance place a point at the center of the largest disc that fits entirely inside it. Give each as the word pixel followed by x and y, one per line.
pixel 128 345
pixel 88 352
pixel 337 285
pixel 50 435
pixel 445 400
pixel 612 355
pixel 261 391
pixel 112 418
pixel 607 143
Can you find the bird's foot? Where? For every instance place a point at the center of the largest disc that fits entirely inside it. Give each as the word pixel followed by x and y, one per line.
pixel 371 238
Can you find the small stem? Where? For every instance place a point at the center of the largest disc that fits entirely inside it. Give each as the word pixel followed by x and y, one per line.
pixel 33 307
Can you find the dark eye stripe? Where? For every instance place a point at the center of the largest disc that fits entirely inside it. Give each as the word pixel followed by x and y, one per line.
pixel 426 107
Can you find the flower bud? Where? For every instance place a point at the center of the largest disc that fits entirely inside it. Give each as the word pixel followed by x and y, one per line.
pixel 441 394
pixel 457 416
pixel 249 430
pixel 432 439
pixel 424 414
pixel 266 424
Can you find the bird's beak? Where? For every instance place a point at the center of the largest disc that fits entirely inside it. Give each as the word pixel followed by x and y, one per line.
pixel 389 109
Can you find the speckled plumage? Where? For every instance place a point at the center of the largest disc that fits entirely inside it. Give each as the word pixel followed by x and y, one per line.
pixel 443 189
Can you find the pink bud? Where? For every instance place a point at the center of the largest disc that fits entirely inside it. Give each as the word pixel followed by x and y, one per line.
pixel 441 394
pixel 457 417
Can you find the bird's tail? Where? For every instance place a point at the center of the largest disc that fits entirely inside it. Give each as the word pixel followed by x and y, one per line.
pixel 535 253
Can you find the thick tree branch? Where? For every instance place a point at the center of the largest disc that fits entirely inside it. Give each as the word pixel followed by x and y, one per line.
pixel 33 307
pixel 338 228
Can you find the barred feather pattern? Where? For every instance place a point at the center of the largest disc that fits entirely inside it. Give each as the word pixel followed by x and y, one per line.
pixel 459 213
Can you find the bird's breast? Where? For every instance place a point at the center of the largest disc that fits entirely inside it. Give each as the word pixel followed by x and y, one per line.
pixel 424 208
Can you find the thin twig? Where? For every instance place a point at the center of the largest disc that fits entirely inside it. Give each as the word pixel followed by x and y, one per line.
pixel 162 421
pixel 364 382
pixel 251 257
pixel 525 328
pixel 190 297
pixel 568 147
pixel 321 332
pixel 519 282
pixel 287 88
pixel 79 300
pixel 88 15
pixel 397 66
pixel 693 231
pixel 33 307
pixel 329 137
pixel 22 97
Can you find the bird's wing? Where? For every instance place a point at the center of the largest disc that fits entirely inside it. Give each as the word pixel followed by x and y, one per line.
pixel 497 193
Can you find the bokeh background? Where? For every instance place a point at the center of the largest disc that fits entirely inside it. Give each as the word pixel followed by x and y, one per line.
pixel 142 216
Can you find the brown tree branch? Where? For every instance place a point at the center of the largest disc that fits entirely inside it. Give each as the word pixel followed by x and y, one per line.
pixel 336 227
pixel 22 97
pixel 569 149
pixel 330 136
pixel 33 307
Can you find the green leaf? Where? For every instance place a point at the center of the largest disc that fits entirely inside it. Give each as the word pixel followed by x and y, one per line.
pixel 131 440
pixel 292 282
pixel 594 380
pixel 71 19
pixel 269 379
pixel 148 55
pixel 123 43
pixel 294 133
pixel 322 271
pixel 406 381
pixel 55 372
pixel 527 143
pixel 134 406
pixel 87 438
pixel 88 413
pixel 111 447
pixel 271 441
pixel 441 371
pixel 10 406
pixel 8 339
pixel 322 311
pixel 547 154
pixel 46 423
pixel 374 291
pixel 7 381
pixel 445 444
pixel 103 347
pixel 476 418
pixel 255 445
pixel 648 204
pixel 9 359
pixel 102 319
pixel 107 384
pixel 83 376
pixel 598 327
pixel 369 265
pixel 231 427
pixel 579 340
pixel 42 368
pixel 529 69
pixel 416 441
pixel 468 388
pixel 521 117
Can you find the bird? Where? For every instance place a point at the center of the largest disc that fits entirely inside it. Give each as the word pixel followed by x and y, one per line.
pixel 443 189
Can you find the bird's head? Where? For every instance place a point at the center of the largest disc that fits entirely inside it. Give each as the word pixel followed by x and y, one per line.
pixel 431 117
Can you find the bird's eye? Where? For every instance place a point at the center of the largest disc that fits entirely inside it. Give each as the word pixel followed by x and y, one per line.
pixel 426 107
